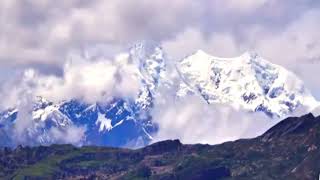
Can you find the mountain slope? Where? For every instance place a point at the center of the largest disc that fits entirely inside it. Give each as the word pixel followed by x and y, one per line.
pixel 289 150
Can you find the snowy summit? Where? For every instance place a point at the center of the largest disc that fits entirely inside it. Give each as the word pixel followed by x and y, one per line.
pixel 249 82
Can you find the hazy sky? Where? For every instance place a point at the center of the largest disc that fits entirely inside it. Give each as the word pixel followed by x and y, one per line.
pixel 40 33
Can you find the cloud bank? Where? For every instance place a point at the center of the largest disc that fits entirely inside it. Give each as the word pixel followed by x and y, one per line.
pixel 85 77
pixel 41 33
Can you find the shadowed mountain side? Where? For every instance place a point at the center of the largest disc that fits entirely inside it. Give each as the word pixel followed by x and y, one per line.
pixel 289 150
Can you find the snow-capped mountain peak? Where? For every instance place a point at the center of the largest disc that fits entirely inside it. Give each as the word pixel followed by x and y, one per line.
pixel 150 59
pixel 248 81
pixel 250 55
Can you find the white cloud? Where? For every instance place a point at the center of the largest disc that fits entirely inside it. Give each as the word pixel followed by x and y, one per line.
pixel 193 121
pixel 23 130
pixel 298 42
pixel 244 5
pixel 44 31
pixel 70 135
pixel 91 80
pixel 191 40
pixel 24 120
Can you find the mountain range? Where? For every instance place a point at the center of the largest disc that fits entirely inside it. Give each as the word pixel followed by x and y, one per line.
pixel 248 82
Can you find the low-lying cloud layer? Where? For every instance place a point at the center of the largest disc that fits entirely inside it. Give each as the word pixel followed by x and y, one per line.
pixel 192 120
